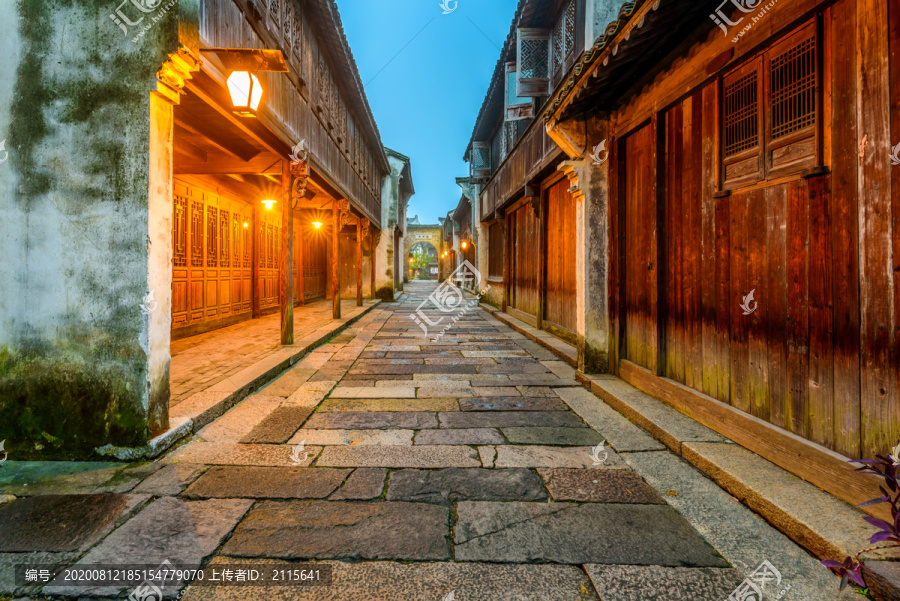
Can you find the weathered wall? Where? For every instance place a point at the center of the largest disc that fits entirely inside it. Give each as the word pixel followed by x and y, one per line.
pixel 74 224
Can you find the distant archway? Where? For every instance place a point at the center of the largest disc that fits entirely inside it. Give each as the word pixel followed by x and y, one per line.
pixel 416 234
pixel 423 261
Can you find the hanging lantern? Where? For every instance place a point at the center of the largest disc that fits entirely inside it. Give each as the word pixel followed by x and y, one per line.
pixel 246 93
pixel 269 204
pixel 317 224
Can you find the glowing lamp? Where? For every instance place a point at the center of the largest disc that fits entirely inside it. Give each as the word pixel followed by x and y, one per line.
pixel 246 93
pixel 246 225
pixel 411 260
pixel 269 204
pixel 464 245
pixel 317 224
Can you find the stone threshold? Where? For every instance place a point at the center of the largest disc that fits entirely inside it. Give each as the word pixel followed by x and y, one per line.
pixel 826 526
pixel 564 350
pixel 201 408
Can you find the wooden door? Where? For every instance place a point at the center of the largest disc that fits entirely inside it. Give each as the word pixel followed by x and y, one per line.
pixel 640 250
pixel 269 253
pixel 524 257
pixel 560 282
pixel 315 265
pixel 210 267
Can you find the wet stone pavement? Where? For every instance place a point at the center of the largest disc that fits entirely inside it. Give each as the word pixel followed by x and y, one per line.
pixel 413 468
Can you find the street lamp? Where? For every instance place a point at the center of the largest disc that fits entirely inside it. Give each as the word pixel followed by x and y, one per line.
pixel 269 203
pixel 464 245
pixel 317 224
pixel 246 93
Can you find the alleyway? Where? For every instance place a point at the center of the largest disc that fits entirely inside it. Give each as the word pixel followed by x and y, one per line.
pixel 422 469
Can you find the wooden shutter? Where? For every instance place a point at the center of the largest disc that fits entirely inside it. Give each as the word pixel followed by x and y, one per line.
pixel 533 59
pixel 791 70
pixel 481 160
pixel 563 42
pixel 742 125
pixel 517 107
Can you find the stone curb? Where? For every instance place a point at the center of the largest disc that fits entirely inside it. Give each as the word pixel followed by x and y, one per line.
pixel 815 520
pixel 525 331
pixel 227 400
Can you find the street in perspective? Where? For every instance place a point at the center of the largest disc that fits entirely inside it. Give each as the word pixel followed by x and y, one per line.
pixel 520 300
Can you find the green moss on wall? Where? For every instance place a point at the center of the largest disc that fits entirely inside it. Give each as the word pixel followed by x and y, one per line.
pixel 385 293
pixel 58 407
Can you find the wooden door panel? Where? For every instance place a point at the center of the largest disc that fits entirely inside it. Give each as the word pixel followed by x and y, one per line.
pixel 560 257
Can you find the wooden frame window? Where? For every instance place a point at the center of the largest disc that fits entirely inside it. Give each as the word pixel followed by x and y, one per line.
pixel 180 234
pixel 770 111
pixel 212 228
pixel 563 41
pixel 517 107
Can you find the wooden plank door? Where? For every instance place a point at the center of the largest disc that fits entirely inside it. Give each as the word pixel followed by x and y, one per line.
pixel 560 273
pixel 640 311
pixel 524 294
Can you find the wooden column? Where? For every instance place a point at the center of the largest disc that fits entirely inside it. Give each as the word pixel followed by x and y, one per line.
pixel 300 173
pixel 255 284
pixel 358 263
pixel 335 260
pixel 286 260
pixel 340 214
pixel 300 283
pixel 373 243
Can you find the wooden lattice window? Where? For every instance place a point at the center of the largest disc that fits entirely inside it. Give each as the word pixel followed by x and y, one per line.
pixel 563 40
pixel 196 234
pixel 212 238
pixel 276 258
pixel 769 112
pixel 247 247
pixel 741 98
pixel 533 62
pixel 236 239
pixel 270 243
pixel 225 238
pixel 480 159
pixel 179 235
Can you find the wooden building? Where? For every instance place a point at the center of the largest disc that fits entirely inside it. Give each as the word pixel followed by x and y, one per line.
pixel 524 207
pixel 745 262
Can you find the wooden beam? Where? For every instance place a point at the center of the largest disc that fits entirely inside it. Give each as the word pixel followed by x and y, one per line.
pixel 358 263
pixel 373 244
pixel 184 147
pixel 221 163
pixel 301 272
pixel 286 260
pixel 213 139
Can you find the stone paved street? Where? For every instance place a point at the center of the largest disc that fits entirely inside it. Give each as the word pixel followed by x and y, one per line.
pixel 414 469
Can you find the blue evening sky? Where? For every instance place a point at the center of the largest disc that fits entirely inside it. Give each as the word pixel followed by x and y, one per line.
pixel 425 91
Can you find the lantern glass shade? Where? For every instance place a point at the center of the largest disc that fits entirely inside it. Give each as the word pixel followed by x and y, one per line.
pixel 269 204
pixel 246 91
pixel 317 224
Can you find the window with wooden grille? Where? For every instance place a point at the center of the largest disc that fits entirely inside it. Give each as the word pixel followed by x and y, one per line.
pixel 224 238
pixel 212 227
pixel 196 234
pixel 236 238
pixel 770 126
pixel 563 41
pixel 179 235
pixel 247 246
pixel 532 62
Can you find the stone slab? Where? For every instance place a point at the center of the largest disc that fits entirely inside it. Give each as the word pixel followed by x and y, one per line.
pixel 182 532
pixel 742 537
pixel 577 534
pixel 278 426
pixel 399 457
pixel 546 456
pixel 825 525
pixel 266 483
pixel 451 485
pixel 363 484
pixel 170 480
pixel 494 354
pixel 366 392
pixel 227 453
pixel 573 437
pixel 462 436
pixel 620 433
pixel 360 420
pixel 20 473
pixel 510 419
pixel 662 421
pixel 513 403
pixel 362 405
pixel 639 583
pixel 368 581
pixel 342 529
pixel 238 421
pixel 598 486
pixel 290 381
pixel 387 438
pixel 59 523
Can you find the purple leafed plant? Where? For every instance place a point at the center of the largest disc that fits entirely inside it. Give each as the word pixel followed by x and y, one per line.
pixel 850 570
